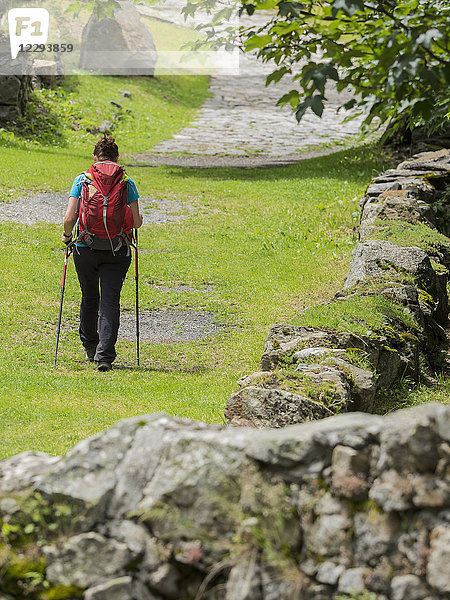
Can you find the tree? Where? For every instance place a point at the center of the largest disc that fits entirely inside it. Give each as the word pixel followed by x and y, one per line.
pixel 101 8
pixel 394 54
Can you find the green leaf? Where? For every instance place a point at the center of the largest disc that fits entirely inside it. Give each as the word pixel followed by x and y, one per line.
pixel 275 76
pixel 349 7
pixel 291 98
pixel 317 105
pixel 257 41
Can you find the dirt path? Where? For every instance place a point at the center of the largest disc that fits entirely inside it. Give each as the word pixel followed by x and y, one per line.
pixel 50 208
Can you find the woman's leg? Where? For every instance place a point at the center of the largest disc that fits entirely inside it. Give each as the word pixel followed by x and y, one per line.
pixel 112 270
pixel 88 275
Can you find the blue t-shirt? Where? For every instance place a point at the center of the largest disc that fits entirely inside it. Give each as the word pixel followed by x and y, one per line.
pixel 77 186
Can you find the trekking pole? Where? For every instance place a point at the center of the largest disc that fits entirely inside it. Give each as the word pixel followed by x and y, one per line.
pixel 136 277
pixel 66 258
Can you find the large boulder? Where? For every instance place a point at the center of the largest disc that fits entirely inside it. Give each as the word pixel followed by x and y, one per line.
pixel 119 45
pixel 261 407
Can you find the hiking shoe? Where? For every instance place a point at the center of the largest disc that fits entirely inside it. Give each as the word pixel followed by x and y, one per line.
pixel 90 353
pixel 104 366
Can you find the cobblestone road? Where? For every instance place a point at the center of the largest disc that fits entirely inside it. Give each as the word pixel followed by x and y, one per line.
pixel 241 118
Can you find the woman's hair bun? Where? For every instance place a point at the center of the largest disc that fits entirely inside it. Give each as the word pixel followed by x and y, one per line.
pixel 106 148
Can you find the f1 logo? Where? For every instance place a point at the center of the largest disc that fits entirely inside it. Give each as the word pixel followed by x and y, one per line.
pixel 27 26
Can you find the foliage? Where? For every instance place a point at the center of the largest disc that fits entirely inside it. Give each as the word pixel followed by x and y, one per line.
pixel 393 56
pixel 101 8
pixel 70 115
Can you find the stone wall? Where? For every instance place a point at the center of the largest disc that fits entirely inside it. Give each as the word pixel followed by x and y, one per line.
pixel 14 89
pixel 400 269
pixel 156 508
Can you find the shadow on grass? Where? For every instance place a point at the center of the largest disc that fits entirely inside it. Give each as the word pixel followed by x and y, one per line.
pixel 357 165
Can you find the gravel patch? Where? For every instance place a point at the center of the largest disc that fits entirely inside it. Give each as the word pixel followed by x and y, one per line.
pixel 168 326
pixel 49 207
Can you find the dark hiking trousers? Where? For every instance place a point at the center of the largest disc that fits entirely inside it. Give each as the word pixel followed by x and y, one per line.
pixel 100 309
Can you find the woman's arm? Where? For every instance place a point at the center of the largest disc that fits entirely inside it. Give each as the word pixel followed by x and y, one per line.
pixel 137 216
pixel 70 218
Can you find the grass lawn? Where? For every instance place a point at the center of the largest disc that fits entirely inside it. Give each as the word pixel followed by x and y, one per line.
pixel 268 242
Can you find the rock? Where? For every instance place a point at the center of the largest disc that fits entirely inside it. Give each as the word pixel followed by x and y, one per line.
pixel 309 567
pixel 88 471
pixel 189 490
pixel 307 448
pixel 244 582
pixel 375 188
pixel 46 72
pixel 411 441
pixel 428 161
pixel 272 408
pixel 308 353
pixel 329 376
pixel 316 591
pixel 273 587
pixel 329 572
pixel 375 535
pixel 328 505
pixel 363 384
pixel 121 588
pixel 119 45
pixel 138 467
pixel 392 492
pixel 407 296
pixel 126 94
pixel 86 560
pixel 378 259
pixel 438 574
pixel 413 545
pixel 14 89
pixel 133 535
pixel 430 491
pixel 9 506
pixel 352 581
pixel 284 340
pixel 260 510
pixel 408 587
pixel 401 206
pixel 24 470
pixel 328 535
pixel 350 469
pixel 379 579
pixel 442 419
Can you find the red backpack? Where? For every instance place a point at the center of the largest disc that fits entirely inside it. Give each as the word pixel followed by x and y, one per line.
pixel 104 217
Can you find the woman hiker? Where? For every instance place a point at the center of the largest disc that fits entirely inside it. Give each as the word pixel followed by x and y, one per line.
pixel 104 203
